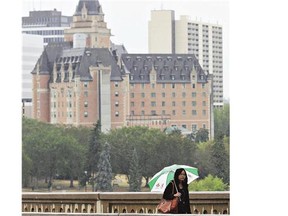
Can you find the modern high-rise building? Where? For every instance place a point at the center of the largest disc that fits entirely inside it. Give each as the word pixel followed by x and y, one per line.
pixel 32 47
pixel 50 24
pixel 168 35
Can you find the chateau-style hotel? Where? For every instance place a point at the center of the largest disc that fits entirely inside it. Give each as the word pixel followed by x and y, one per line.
pixel 86 78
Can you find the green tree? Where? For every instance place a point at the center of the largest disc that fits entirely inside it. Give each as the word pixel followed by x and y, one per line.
pixel 202 135
pixel 219 160
pixel 209 183
pixel 135 177
pixel 103 177
pixel 222 121
pixel 26 169
pixel 93 152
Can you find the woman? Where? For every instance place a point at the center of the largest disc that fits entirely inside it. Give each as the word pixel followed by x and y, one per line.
pixel 180 180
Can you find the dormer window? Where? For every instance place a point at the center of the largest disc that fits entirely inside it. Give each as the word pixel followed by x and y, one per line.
pixel 131 77
pixel 173 77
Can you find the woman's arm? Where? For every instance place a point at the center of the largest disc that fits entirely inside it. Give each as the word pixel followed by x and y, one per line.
pixel 168 192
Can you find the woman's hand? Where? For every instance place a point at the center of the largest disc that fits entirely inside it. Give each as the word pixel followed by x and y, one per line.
pixel 177 194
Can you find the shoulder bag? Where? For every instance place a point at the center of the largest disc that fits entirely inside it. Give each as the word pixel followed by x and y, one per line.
pixel 169 206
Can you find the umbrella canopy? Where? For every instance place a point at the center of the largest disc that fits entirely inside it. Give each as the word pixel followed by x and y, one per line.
pixel 161 179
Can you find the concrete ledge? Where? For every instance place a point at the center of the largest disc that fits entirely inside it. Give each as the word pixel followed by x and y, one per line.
pixel 101 214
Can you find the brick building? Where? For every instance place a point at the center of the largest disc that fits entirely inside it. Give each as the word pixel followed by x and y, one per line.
pixel 83 80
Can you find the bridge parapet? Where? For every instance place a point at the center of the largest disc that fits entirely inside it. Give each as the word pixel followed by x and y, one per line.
pixel 118 202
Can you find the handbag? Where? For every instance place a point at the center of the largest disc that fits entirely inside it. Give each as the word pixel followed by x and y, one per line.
pixel 169 206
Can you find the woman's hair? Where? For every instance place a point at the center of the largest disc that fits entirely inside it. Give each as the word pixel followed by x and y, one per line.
pixel 177 173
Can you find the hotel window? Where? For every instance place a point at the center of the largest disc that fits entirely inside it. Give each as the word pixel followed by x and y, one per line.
pixel 85 104
pixel 183 103
pixel 173 85
pixel 203 85
pixel 184 126
pixel 163 112
pixel 116 113
pixel 153 85
pixel 183 94
pixel 143 85
pixel 142 112
pixel 184 85
pixel 153 94
pixel 116 84
pixel 204 112
pixel 194 112
pixel 132 104
pixel 86 93
pixel 163 103
pixel 183 112
pixel 143 95
pixel 132 95
pixel 85 114
pixel 163 94
pixel 173 103
pixel 142 104
pixel 85 84
pixel 153 112
pixel 193 85
pixel 153 103
pixel 194 94
pixel 116 94
pixel 163 84
pixel 204 126
pixel 173 94
pixel 203 103
pixel 173 112
pixel 116 103
pixel 194 127
pixel 203 94
pixel 194 103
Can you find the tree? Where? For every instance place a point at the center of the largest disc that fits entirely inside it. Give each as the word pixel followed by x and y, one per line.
pixel 209 183
pixel 103 177
pixel 135 177
pixel 219 160
pixel 93 151
pixel 222 121
pixel 26 169
pixel 202 135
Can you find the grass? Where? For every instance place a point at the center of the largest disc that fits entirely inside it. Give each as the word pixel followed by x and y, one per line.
pixel 120 184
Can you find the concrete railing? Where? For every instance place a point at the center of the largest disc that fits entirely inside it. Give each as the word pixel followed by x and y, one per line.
pixel 119 203
pixel 101 214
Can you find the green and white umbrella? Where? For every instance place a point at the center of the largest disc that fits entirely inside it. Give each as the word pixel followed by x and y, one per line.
pixel 161 179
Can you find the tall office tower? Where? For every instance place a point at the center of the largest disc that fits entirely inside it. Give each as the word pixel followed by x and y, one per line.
pixel 192 37
pixel 161 32
pixel 50 24
pixel 32 47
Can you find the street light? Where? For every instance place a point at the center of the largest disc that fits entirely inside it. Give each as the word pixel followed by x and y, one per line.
pixel 85 180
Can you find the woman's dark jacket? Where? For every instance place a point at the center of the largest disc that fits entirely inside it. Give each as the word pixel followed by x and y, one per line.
pixel 184 203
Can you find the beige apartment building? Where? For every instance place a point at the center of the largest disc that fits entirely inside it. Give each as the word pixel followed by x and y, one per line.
pixel 78 82
pixel 186 36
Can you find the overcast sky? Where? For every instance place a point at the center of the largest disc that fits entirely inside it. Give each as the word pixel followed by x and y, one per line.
pixel 128 20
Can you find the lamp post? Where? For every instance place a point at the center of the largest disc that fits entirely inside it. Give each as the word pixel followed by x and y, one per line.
pixel 85 180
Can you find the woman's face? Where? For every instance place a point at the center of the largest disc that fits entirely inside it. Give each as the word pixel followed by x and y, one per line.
pixel 182 176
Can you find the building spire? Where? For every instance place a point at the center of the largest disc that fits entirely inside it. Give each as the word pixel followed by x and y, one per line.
pixel 93 7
